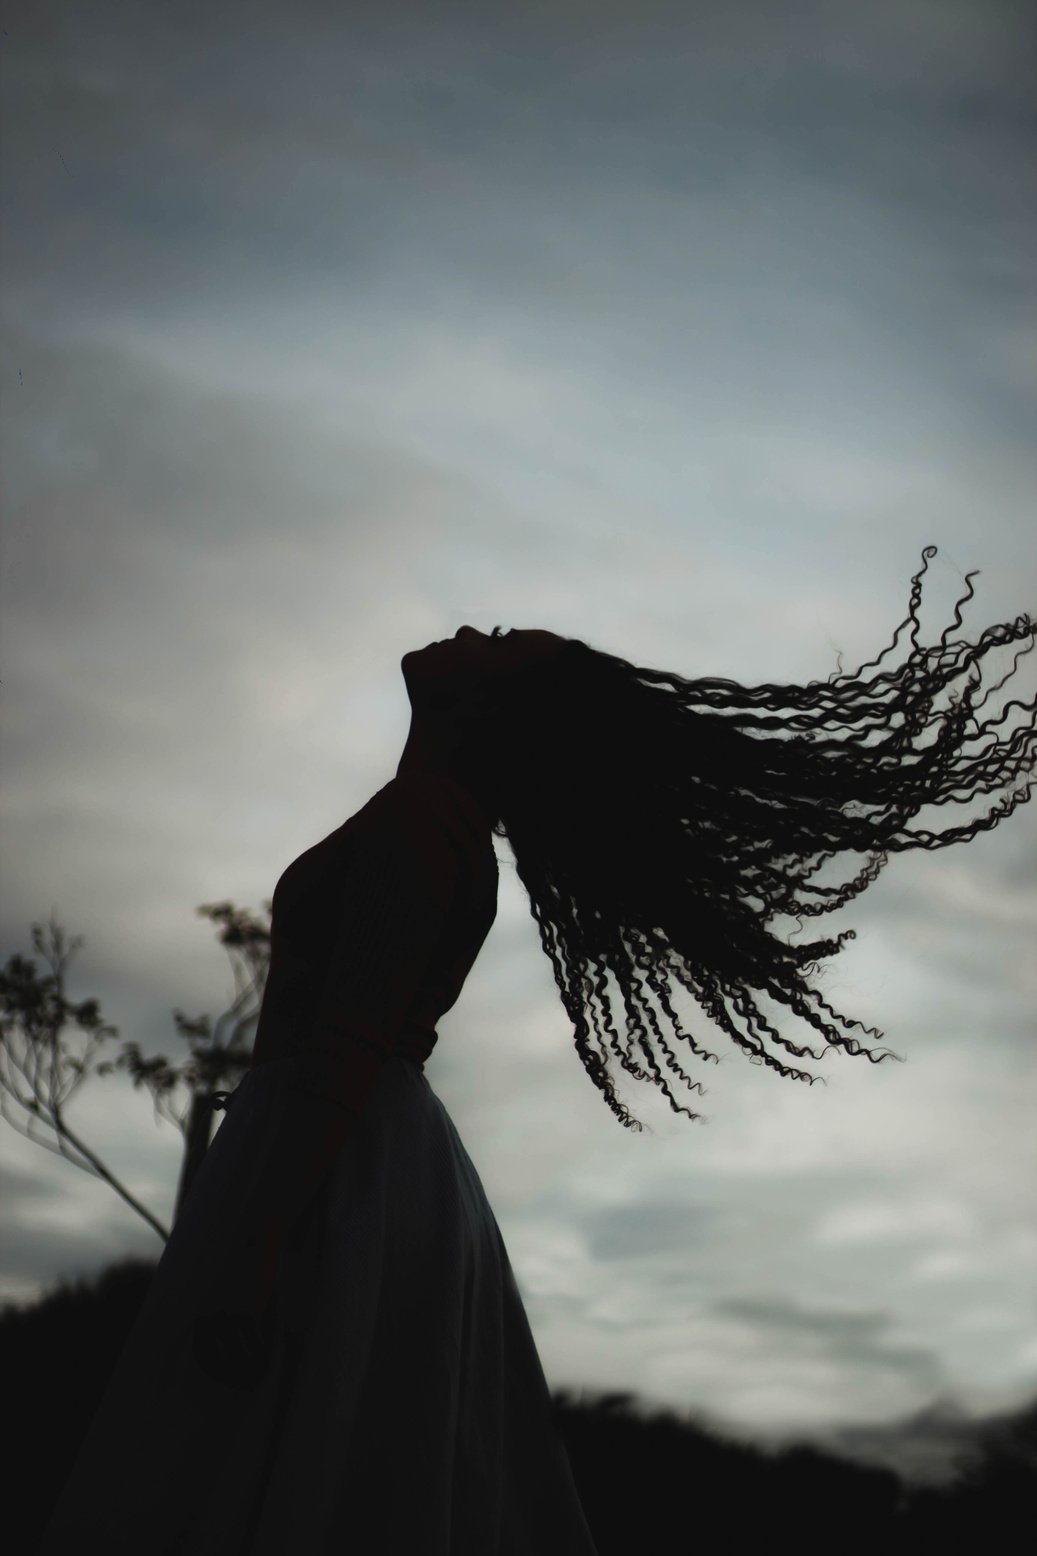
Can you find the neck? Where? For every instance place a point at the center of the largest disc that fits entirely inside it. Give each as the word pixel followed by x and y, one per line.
pixel 434 749
pixel 428 749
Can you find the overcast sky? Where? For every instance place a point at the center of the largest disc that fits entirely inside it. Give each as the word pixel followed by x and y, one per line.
pixel 679 328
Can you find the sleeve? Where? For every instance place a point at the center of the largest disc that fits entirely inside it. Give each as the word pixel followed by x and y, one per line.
pixel 399 891
pixel 401 886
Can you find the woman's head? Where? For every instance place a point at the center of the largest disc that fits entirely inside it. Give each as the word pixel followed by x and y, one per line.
pixel 457 672
pixel 660 825
pixel 460 695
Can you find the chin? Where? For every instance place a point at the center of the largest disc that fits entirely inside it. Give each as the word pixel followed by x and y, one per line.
pixel 414 656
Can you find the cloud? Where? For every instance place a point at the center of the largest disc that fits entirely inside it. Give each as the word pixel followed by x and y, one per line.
pixel 850 1339
pixel 900 1220
pixel 681 330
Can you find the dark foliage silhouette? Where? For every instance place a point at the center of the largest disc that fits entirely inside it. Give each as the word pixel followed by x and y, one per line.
pixel 56 1356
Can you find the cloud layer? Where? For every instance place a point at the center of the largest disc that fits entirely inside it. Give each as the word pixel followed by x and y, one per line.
pixel 679 329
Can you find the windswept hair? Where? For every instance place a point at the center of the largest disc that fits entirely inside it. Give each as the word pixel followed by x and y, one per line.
pixel 659 825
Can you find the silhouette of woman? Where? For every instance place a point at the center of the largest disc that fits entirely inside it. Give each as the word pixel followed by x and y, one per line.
pixel 334 1354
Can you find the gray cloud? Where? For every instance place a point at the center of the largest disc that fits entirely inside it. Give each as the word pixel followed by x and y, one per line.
pixel 853 1338
pixel 655 1229
pixel 684 330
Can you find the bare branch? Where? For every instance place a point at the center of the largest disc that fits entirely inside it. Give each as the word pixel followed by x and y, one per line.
pixel 40 1072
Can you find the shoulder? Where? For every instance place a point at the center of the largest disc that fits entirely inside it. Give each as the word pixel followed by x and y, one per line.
pixel 416 804
pixel 426 792
pixel 427 805
pixel 412 793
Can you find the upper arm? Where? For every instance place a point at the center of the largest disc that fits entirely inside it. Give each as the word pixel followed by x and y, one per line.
pixel 398 894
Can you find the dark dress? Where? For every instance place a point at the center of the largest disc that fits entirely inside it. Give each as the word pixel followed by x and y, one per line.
pixel 403 1408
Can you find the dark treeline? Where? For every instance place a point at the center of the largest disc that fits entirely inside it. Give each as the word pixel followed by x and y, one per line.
pixel 649 1482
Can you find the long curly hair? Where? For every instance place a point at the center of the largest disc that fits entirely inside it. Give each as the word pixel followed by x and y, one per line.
pixel 659 825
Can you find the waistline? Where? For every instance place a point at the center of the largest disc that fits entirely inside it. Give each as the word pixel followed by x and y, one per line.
pixel 316 1069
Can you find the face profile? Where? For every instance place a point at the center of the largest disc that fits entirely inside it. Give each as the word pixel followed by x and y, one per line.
pixel 460 671
pixel 471 655
pixel 451 685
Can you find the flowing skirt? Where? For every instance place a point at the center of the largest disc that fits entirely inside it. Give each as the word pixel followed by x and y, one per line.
pixel 404 1410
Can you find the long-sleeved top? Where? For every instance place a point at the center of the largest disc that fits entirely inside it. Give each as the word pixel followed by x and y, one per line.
pixel 373 933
